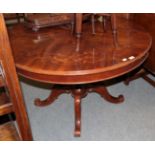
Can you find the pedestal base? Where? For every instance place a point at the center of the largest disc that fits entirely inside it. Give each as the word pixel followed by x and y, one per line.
pixel 78 92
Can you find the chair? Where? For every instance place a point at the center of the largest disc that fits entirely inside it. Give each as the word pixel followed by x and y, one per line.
pixel 9 80
pixel 104 16
pixel 79 17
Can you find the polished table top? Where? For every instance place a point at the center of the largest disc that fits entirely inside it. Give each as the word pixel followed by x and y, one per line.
pixel 49 55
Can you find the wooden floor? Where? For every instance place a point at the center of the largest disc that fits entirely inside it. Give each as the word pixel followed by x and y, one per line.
pixel 8 132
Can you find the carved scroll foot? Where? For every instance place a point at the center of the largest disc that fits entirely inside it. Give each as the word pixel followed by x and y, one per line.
pixel 106 95
pixel 52 97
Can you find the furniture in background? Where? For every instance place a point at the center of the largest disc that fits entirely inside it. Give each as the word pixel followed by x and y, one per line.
pixel 14 16
pixel 42 20
pixel 147 21
pixel 112 17
pixel 15 103
pixel 35 21
pixel 79 19
pixel 49 56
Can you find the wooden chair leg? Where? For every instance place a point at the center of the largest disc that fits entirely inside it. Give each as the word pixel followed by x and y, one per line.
pixel 114 29
pixel 72 27
pixel 18 17
pixel 78 18
pixel 93 24
pixel 104 24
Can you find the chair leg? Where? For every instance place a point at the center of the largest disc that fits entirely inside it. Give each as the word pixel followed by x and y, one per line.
pixel 78 20
pixel 18 17
pixel 104 23
pixel 78 38
pixel 72 27
pixel 114 29
pixel 93 24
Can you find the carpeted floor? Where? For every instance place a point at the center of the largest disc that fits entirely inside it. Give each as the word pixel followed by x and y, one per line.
pixel 132 120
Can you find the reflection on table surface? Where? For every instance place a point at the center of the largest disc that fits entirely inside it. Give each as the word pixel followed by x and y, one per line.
pixel 52 50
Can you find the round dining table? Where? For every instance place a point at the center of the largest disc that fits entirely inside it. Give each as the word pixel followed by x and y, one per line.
pixel 50 56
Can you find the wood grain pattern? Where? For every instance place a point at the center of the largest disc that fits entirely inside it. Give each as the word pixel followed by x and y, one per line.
pixel 51 52
pixel 1 82
pixel 12 83
pixel 8 132
pixel 6 106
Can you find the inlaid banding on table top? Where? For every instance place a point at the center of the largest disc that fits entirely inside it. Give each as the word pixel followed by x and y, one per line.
pixel 52 51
